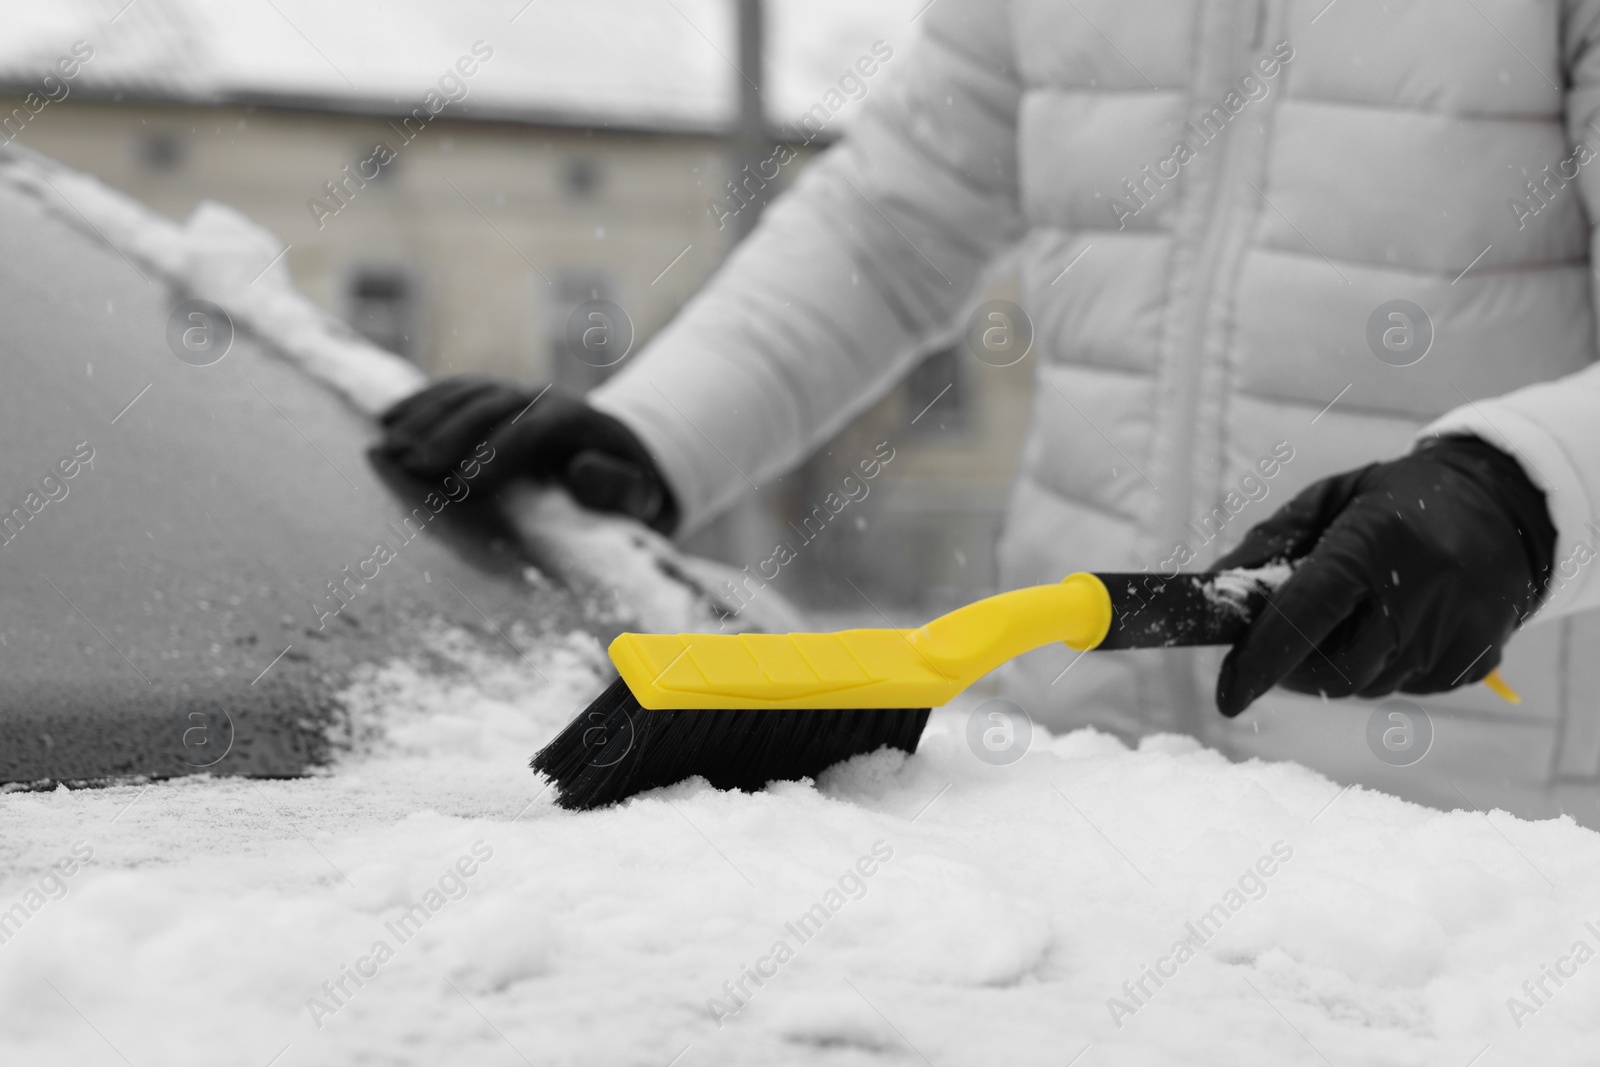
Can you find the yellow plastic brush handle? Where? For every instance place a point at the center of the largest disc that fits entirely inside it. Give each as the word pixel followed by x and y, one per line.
pixel 1501 688
pixel 886 668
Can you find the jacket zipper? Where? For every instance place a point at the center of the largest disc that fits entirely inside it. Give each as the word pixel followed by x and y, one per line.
pixel 1182 681
pixel 1190 367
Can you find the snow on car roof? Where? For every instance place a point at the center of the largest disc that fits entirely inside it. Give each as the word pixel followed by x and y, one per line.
pixel 651 63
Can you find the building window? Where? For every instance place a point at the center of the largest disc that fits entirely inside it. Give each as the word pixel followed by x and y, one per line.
pixel 581 178
pixel 938 394
pixel 161 150
pixel 382 308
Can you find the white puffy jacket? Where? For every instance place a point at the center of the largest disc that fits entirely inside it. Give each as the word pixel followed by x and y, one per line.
pixel 1334 158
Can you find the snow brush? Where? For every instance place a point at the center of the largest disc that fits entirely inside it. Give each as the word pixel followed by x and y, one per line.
pixel 746 709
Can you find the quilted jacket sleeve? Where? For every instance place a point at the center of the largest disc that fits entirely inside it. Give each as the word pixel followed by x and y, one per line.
pixel 1554 427
pixel 848 277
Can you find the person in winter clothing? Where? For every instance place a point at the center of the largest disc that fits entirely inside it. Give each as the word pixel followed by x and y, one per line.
pixel 1273 211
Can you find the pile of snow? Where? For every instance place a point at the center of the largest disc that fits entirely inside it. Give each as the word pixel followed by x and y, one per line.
pixel 427 903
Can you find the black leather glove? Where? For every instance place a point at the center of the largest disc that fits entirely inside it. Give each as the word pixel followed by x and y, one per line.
pixel 1409 575
pixel 543 435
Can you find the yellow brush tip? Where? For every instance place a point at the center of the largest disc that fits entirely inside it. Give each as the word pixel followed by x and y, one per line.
pixel 1495 682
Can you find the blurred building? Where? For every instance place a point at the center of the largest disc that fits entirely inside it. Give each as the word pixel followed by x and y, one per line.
pixel 467 250
pixel 456 183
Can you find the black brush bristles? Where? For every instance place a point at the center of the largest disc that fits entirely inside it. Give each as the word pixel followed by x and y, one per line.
pixel 615 748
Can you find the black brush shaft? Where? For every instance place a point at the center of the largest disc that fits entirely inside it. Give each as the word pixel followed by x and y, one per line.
pixel 1154 611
